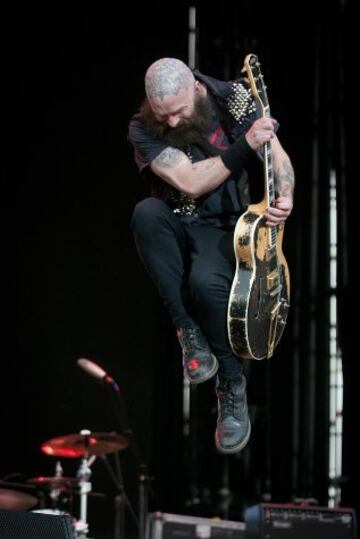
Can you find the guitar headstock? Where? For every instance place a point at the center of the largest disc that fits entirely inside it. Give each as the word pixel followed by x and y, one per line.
pixel 256 80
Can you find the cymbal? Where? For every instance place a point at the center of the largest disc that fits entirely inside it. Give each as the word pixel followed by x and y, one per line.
pixel 15 500
pixel 58 482
pixel 77 445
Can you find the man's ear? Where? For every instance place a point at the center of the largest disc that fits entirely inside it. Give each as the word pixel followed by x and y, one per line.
pixel 199 88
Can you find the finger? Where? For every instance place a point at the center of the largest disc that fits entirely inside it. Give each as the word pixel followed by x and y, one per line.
pixel 284 206
pixel 274 222
pixel 284 202
pixel 276 212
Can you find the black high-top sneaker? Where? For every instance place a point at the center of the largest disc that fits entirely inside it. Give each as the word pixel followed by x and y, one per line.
pixel 199 363
pixel 233 423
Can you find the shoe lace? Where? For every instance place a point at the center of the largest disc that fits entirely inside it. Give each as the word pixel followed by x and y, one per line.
pixel 227 399
pixel 193 338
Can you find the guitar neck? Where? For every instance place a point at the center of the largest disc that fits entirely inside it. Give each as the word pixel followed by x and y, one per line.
pixel 269 182
pixel 258 88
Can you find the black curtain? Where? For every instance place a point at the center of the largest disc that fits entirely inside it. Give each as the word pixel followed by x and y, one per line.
pixel 75 287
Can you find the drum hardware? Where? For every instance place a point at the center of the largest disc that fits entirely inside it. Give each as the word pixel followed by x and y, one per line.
pixel 90 443
pixel 88 446
pixel 60 491
pixel 54 483
pixel 56 487
pixel 83 475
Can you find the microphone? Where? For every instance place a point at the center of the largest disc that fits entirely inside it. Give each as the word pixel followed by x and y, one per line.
pixel 96 371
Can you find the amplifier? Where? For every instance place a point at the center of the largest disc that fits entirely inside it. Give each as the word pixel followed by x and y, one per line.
pixel 168 526
pixel 275 521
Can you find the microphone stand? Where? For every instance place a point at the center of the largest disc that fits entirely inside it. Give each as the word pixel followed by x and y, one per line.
pixel 121 499
pixel 144 481
pixel 143 477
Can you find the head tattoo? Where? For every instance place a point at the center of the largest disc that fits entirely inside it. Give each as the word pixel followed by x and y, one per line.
pixel 167 76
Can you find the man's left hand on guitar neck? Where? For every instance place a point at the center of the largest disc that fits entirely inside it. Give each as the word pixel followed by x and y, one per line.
pixel 277 215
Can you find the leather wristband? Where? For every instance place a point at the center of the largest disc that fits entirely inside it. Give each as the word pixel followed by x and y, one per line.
pixel 234 156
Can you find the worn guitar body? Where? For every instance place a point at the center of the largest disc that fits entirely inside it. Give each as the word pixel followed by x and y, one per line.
pixel 260 293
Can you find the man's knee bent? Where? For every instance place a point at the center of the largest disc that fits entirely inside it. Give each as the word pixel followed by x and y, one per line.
pixel 209 290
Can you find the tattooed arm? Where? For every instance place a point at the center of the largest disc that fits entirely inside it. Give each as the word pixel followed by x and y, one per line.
pixel 193 179
pixel 174 167
pixel 284 185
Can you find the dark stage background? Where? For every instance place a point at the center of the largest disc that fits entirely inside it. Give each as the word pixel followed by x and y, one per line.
pixel 75 287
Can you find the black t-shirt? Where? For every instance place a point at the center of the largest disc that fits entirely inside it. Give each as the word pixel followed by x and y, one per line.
pixel 219 207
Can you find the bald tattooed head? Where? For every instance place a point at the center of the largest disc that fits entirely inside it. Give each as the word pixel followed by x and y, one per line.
pixel 166 77
pixel 170 90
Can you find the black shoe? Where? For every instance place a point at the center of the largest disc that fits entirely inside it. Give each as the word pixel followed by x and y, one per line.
pixel 199 363
pixel 233 424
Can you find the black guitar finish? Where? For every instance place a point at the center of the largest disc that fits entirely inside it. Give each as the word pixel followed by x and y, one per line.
pixel 260 293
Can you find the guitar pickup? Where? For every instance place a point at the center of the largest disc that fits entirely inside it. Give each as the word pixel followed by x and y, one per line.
pixel 273 281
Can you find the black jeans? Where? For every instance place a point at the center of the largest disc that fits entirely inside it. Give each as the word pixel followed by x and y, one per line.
pixel 192 268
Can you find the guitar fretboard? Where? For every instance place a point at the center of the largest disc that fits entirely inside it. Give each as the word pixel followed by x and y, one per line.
pixel 269 181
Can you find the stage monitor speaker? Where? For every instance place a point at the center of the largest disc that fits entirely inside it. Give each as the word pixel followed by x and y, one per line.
pixel 276 521
pixel 27 525
pixel 171 526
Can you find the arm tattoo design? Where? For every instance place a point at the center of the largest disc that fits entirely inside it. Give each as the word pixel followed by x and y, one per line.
pixel 168 158
pixel 209 163
pixel 285 178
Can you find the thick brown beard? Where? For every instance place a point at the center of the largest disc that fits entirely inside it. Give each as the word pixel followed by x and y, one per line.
pixel 188 131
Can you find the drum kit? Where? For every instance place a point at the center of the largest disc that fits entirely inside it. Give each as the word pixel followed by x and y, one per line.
pixel 86 446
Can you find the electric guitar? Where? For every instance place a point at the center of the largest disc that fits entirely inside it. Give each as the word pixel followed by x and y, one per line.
pixel 260 293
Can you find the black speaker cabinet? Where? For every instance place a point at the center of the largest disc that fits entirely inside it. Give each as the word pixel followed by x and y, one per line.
pixel 27 525
pixel 275 521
